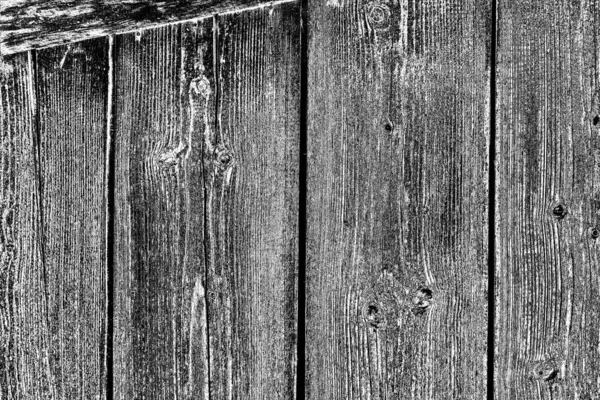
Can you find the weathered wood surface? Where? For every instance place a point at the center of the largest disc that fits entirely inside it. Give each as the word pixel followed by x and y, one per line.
pixel 206 208
pixel 548 202
pixel 24 330
pixel 160 340
pixel 398 135
pixel 53 223
pixel 72 87
pixel 252 162
pixel 27 24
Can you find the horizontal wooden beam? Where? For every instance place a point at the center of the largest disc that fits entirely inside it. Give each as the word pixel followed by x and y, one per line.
pixel 33 24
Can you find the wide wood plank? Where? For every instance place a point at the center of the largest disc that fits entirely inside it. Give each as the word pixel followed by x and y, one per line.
pixel 72 84
pixel 164 107
pixel 252 162
pixel 24 328
pixel 398 135
pixel 28 24
pixel 548 201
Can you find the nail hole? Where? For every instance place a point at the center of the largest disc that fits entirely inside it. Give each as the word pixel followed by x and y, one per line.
pixel 421 300
pixel 560 211
pixel 596 120
pixel 373 315
pixel 425 293
pixel 594 233
pixel 388 127
pixel 224 158
pixel 546 371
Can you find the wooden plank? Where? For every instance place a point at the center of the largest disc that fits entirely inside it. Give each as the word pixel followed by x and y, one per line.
pixel 164 105
pixel 398 135
pixel 548 200
pixel 53 251
pixel 27 24
pixel 252 206
pixel 72 84
pixel 24 330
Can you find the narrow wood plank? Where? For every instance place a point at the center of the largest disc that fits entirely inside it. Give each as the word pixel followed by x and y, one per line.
pixel 24 330
pixel 398 134
pixel 252 206
pixel 548 202
pixel 164 105
pixel 72 84
pixel 28 24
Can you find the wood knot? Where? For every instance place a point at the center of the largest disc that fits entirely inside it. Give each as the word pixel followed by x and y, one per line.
pixel 172 156
pixel 593 232
pixel 378 15
pixel 560 211
pixel 373 314
pixel 596 120
pixel 223 158
pixel 200 86
pixel 388 126
pixel 545 371
pixel 421 300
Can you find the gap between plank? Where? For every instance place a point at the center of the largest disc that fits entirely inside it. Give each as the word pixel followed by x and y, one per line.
pixel 302 183
pixel 110 220
pixel 492 209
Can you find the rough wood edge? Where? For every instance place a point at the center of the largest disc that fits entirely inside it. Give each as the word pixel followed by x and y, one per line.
pixel 44 33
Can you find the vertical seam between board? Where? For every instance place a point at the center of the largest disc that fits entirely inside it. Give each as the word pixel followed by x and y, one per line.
pixel 302 212
pixel 109 220
pixel 492 209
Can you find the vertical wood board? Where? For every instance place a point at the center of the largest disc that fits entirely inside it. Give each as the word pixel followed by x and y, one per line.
pixel 252 163
pixel 163 105
pixel 53 223
pixel 397 226
pixel 548 200
pixel 24 330
pixel 72 87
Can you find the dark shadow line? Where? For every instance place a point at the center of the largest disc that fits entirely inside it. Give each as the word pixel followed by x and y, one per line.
pixel 302 182
pixel 110 218
pixel 492 209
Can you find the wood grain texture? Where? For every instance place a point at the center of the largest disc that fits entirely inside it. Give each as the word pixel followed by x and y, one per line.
pixel 398 135
pixel 53 250
pixel 252 206
pixel 163 106
pixel 24 328
pixel 72 106
pixel 548 200
pixel 27 24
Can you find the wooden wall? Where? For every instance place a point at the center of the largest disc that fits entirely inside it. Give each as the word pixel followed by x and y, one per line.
pixel 150 213
pixel 397 231
pixel 339 199
pixel 548 200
